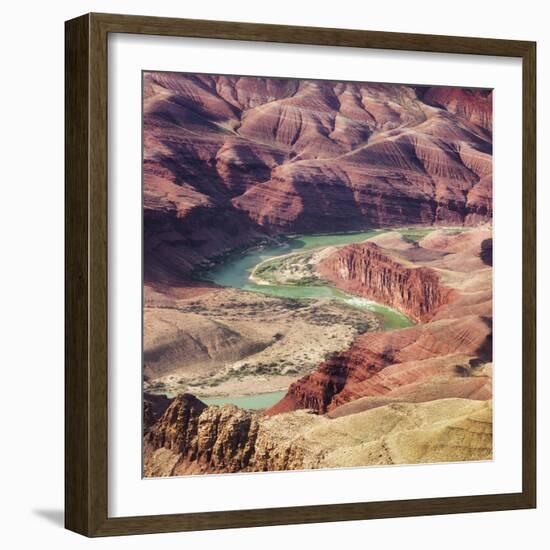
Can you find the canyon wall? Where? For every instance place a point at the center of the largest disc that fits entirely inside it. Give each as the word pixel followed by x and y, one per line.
pixel 202 439
pixel 365 270
pixel 228 160
pixel 192 438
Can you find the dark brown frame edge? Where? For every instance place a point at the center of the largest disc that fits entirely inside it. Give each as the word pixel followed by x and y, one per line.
pixel 86 428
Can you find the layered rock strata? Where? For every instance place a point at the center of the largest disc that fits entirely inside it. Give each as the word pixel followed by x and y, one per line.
pixel 365 270
pixel 228 160
pixel 459 333
pixel 192 438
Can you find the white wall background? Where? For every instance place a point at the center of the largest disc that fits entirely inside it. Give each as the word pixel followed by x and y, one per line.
pixel 31 229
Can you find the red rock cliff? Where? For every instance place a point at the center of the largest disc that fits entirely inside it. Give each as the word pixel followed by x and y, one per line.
pixel 346 376
pixel 364 270
pixel 193 438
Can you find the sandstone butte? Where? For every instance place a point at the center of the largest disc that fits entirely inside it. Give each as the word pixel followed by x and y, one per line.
pixel 228 160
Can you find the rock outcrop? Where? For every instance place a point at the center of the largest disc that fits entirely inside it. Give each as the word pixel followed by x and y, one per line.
pixel 177 341
pixel 469 105
pixel 228 160
pixel 216 438
pixel 192 438
pixel 202 439
pixel 365 270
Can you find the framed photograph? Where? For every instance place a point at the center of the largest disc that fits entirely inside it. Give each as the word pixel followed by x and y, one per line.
pixel 300 275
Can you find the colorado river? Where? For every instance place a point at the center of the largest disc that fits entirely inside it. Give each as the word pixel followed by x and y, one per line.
pixel 235 271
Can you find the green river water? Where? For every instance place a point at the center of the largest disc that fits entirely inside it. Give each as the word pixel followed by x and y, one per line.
pixel 258 401
pixel 235 270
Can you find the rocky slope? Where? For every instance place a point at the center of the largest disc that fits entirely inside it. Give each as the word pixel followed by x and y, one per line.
pixel 226 341
pixel 458 337
pixel 231 159
pixel 192 438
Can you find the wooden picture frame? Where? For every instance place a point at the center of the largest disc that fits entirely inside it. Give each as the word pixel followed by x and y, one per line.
pixel 86 222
